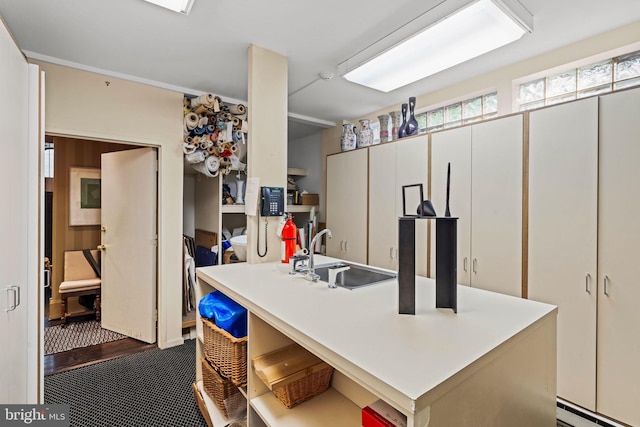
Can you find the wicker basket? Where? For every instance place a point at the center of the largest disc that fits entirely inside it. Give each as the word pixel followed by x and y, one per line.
pixel 299 391
pixel 222 391
pixel 293 374
pixel 226 352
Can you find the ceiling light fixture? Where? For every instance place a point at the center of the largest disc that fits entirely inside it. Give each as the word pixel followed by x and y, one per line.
pixel 451 33
pixel 180 6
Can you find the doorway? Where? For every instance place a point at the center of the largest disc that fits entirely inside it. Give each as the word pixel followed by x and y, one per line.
pixel 61 236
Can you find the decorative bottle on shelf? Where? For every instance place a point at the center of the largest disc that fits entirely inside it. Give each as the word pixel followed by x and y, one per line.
pixel 365 136
pixel 412 124
pixel 384 127
pixel 396 121
pixel 402 132
pixel 348 138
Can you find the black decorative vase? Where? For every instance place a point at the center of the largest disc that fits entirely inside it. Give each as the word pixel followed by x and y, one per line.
pixel 402 132
pixel 411 127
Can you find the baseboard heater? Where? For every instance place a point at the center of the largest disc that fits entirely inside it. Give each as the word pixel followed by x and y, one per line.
pixel 586 414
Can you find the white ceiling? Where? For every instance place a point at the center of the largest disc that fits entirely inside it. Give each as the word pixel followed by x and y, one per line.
pixel 206 51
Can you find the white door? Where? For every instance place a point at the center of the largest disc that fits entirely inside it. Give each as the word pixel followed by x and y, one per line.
pixel 563 226
pixel 19 284
pixel 129 242
pixel 453 146
pixel 618 370
pixel 496 204
pixel 355 201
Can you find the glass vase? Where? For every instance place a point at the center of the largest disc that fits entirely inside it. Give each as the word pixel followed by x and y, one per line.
pixel 402 132
pixel 365 135
pixel 396 121
pixel 412 124
pixel 384 127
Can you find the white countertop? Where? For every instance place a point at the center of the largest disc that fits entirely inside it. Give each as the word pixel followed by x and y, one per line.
pixel 360 331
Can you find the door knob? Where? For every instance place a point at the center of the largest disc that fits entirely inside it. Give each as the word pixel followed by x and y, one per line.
pixel 102 248
pixel 103 229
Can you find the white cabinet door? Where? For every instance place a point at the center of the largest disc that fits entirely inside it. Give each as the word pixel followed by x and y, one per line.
pixel 347 192
pixel 496 202
pixel 412 160
pixel 390 167
pixel 453 146
pixel 383 218
pixel 335 172
pixel 618 370
pixel 563 221
pixel 18 285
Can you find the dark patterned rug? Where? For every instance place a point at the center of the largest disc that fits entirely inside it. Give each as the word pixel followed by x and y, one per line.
pixel 75 335
pixel 147 389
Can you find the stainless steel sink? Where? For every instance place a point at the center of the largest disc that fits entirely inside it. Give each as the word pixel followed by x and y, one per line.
pixel 356 276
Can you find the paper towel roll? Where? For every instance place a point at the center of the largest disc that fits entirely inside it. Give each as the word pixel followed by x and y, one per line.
pixel 237 109
pixel 195 157
pixel 188 148
pixel 205 99
pixel 191 120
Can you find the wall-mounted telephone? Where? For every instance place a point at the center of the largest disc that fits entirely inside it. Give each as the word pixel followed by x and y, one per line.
pixel 272 201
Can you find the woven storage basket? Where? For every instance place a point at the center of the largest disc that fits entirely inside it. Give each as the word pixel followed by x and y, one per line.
pixel 305 388
pixel 221 390
pixel 293 374
pixel 226 352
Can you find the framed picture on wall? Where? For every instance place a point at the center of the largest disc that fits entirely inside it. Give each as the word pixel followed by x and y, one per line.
pixel 84 196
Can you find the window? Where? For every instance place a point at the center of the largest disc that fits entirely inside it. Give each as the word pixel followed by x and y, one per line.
pixel 459 113
pixel 593 79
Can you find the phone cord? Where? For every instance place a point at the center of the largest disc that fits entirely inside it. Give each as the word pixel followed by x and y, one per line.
pixel 266 240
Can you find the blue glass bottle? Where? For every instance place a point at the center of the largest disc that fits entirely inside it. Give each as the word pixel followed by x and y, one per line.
pixel 403 127
pixel 412 124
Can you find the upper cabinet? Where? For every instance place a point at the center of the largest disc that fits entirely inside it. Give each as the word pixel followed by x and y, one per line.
pixel 392 166
pixel 486 196
pixel 347 205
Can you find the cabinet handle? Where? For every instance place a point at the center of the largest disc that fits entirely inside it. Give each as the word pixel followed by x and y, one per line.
pixel 475 265
pixel 606 281
pixel 16 297
pixel 586 283
pixel 391 252
pixel 346 248
pixel 341 247
pixel 465 263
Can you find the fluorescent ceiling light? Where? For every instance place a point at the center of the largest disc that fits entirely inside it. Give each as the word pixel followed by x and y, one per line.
pixel 471 31
pixel 180 6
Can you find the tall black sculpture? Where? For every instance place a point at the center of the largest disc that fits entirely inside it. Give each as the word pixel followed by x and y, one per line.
pixel 446 254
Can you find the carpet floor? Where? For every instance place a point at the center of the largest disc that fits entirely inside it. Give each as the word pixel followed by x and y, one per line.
pixel 76 335
pixel 151 389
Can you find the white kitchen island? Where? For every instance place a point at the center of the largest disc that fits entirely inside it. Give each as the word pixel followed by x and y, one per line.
pixel 491 364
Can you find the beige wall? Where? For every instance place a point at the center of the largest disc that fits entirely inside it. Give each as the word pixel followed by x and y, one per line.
pixel 90 106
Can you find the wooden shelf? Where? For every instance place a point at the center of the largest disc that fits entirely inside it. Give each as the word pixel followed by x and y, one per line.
pixel 326 409
pixel 301 208
pixel 296 172
pixel 233 209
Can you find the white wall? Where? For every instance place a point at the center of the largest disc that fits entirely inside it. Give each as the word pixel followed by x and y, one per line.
pixel 306 153
pixel 81 104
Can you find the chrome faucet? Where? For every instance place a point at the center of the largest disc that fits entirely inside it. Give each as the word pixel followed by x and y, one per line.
pixel 311 272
